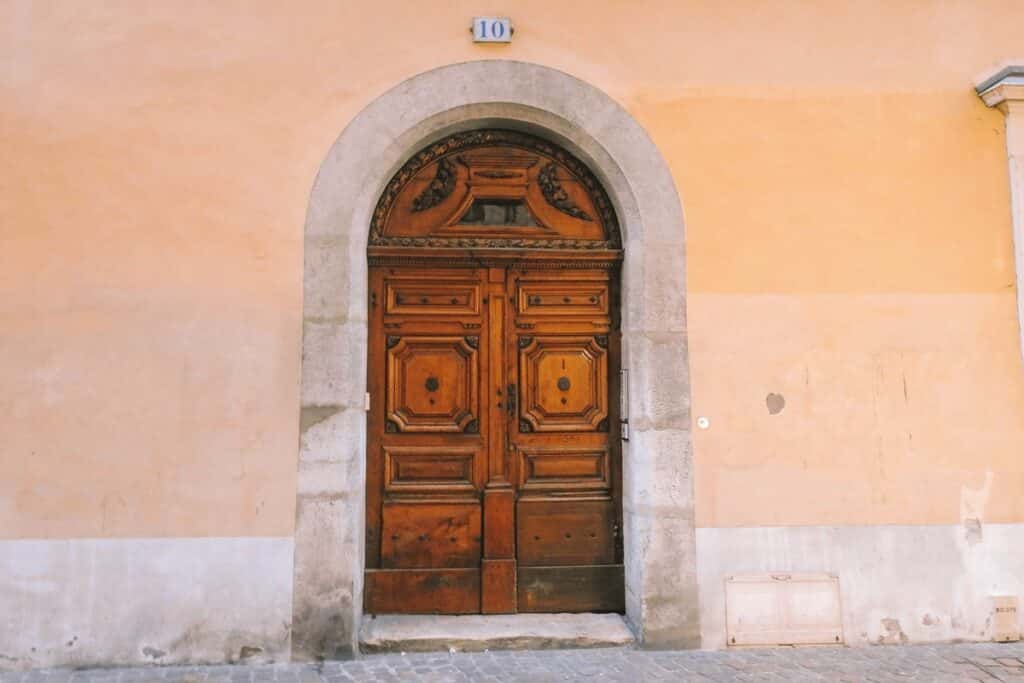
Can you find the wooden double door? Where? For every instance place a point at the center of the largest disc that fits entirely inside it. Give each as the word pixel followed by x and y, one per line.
pixel 494 469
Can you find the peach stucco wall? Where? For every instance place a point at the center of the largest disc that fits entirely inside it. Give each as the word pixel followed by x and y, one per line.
pixel 848 232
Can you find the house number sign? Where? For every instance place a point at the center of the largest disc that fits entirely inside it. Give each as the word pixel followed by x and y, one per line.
pixel 492 30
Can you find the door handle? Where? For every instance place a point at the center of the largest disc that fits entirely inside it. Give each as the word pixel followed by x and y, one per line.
pixel 510 402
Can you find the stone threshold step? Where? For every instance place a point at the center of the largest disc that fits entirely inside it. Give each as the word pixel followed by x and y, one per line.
pixel 477 632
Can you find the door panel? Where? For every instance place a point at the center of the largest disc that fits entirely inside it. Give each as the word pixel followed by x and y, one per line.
pixel 430 535
pixel 404 295
pixel 561 469
pixel 419 469
pixel 563 383
pixel 565 532
pixel 562 299
pixel 599 588
pixel 492 482
pixel 432 384
pixel 422 591
pixel 568 513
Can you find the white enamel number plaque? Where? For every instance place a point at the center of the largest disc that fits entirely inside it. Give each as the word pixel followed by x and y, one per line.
pixel 492 30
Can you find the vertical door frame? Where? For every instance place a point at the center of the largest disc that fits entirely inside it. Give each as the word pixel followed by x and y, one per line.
pixel 659 536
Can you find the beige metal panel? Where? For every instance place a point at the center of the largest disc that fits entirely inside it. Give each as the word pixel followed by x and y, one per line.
pixel 783 609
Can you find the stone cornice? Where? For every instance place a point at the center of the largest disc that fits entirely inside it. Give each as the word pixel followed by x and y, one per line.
pixel 1003 87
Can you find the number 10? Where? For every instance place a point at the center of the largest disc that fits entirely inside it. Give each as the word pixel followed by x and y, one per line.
pixel 497 29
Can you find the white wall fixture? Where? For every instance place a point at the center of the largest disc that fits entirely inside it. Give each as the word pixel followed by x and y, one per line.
pixel 1005 619
pixel 1005 90
pixel 783 609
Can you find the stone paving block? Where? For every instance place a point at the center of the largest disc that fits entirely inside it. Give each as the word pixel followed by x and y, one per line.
pixel 933 663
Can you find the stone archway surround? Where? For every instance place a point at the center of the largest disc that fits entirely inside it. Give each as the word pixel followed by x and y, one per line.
pixel 659 538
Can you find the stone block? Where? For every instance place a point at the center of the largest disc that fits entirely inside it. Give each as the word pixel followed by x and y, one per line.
pixel 328 577
pixel 332 434
pixel 477 633
pixel 659 380
pixel 659 478
pixel 325 280
pixel 334 364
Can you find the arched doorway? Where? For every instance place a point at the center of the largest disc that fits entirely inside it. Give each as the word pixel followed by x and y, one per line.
pixel 657 494
pixel 493 453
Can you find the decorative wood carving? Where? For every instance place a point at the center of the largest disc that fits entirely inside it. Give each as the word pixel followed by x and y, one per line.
pixel 556 195
pixel 393 340
pixel 426 258
pixel 473 341
pixel 432 384
pixel 439 190
pixel 525 426
pixel 448 177
pixel 525 341
pixel 578 368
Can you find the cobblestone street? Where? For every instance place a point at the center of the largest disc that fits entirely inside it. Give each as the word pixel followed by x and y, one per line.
pixel 966 662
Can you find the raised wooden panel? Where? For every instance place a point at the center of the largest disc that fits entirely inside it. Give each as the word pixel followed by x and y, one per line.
pixel 571 589
pixel 432 384
pixel 563 298
pixel 431 469
pixel 564 469
pixel 422 591
pixel 564 384
pixel 430 534
pixel 443 296
pixel 565 532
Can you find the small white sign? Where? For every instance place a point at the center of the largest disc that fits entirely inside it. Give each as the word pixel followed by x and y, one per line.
pixel 492 30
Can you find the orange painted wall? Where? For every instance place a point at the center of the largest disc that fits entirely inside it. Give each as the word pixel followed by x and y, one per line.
pixel 849 245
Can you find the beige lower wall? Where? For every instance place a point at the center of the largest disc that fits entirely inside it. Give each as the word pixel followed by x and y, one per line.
pixel 93 602
pixel 928 583
pixel 899 409
pixel 97 602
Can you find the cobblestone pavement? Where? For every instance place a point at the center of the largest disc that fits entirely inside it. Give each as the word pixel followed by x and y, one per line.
pixel 966 662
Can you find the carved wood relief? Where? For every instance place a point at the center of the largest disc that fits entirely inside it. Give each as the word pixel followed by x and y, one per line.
pixel 495 189
pixel 432 384
pixel 564 382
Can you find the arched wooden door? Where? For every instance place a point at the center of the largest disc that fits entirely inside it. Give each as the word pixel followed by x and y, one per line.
pixel 493 462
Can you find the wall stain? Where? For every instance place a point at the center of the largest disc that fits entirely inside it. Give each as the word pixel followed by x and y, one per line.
pixel 973 532
pixel 152 652
pixel 313 415
pixel 775 402
pixel 892 633
pixel 248 651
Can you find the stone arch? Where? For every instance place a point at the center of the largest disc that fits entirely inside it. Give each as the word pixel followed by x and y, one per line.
pixel 661 582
